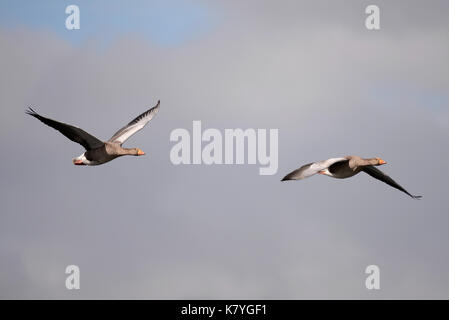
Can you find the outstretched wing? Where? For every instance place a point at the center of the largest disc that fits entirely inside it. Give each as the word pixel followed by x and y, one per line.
pixel 379 175
pixel 310 169
pixel 136 125
pixel 73 133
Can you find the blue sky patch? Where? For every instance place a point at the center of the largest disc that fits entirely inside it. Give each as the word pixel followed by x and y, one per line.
pixel 167 23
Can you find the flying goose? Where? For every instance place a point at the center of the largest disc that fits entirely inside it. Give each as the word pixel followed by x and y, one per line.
pixel 345 167
pixel 97 151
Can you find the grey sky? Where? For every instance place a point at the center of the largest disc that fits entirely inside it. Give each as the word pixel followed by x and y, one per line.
pixel 144 228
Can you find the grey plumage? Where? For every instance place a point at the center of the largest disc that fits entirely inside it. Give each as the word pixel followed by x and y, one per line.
pixel 97 151
pixel 342 168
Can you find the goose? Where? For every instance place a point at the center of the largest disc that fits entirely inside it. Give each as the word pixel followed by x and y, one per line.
pixel 99 152
pixel 346 167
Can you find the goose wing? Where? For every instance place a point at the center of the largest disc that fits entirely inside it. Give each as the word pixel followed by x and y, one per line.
pixel 134 126
pixel 73 133
pixel 310 169
pixel 379 175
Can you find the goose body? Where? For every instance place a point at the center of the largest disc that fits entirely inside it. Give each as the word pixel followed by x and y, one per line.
pixel 346 167
pixel 107 152
pixel 99 152
pixel 350 166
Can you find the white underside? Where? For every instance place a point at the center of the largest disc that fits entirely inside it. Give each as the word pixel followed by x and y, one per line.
pixel 326 172
pixel 84 160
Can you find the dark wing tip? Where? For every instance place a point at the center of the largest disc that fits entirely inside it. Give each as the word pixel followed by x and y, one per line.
pixel 416 197
pixel 30 111
pixel 289 176
pixel 155 108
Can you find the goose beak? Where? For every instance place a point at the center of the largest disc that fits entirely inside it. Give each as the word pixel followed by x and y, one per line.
pixel 140 153
pixel 382 161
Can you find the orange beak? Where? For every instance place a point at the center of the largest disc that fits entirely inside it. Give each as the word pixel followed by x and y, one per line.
pixel 140 153
pixel 382 161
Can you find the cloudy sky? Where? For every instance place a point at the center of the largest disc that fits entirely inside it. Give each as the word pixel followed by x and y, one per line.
pixel 145 228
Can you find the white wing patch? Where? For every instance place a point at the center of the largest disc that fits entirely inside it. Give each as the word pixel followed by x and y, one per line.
pixel 310 169
pixel 134 126
pixel 321 165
